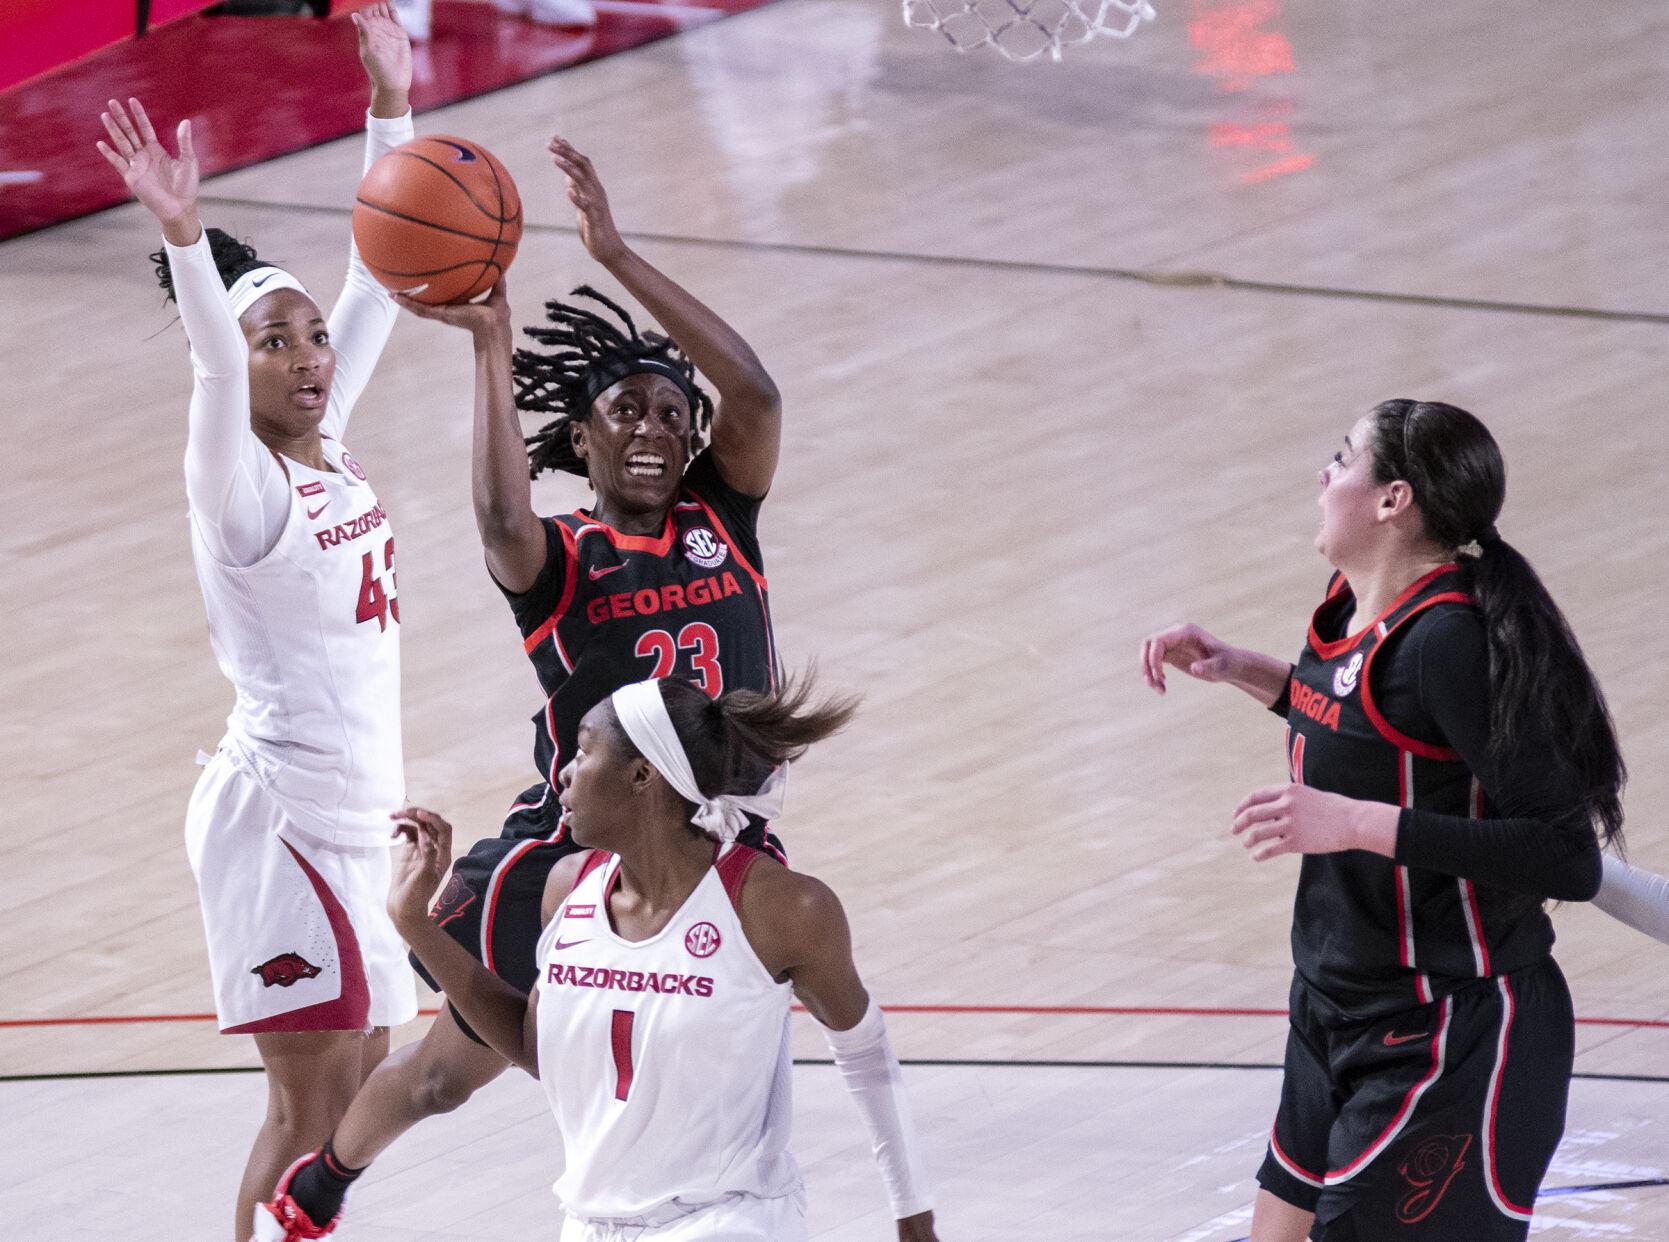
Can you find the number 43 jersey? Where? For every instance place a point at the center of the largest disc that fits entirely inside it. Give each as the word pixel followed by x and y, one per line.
pixel 309 636
pixel 609 609
pixel 666 1060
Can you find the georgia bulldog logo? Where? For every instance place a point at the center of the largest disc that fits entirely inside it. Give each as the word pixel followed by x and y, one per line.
pixel 705 548
pixel 283 970
pixel 353 466
pixel 1344 681
pixel 702 940
pixel 1429 1169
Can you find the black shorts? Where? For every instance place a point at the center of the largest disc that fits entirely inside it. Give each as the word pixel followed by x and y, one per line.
pixel 1434 1123
pixel 492 900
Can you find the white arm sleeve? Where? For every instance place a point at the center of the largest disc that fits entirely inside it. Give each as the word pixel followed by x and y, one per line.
pixel 238 493
pixel 364 315
pixel 866 1062
pixel 1638 898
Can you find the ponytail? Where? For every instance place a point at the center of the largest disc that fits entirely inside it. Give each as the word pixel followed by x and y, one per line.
pixel 1540 683
pixel 735 741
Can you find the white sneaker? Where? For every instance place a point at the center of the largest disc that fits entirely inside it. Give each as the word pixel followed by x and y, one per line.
pixel 414 16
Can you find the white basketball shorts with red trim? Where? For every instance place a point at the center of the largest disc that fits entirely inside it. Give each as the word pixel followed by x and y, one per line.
pixel 736 1218
pixel 298 931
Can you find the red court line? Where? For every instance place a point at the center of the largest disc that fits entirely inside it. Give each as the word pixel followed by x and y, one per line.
pixel 1080 1011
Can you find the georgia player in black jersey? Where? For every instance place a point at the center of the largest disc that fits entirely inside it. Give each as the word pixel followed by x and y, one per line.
pixel 661 575
pixel 1451 756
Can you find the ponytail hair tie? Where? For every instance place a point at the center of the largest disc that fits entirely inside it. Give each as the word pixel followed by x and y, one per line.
pixel 1490 537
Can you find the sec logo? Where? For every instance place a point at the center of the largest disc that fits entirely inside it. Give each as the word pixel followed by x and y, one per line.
pixel 705 548
pixel 353 467
pixel 702 940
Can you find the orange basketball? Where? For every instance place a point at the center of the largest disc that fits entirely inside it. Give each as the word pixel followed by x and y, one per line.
pixel 439 212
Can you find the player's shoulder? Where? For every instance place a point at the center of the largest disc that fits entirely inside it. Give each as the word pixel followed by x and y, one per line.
pixel 563 877
pixel 784 898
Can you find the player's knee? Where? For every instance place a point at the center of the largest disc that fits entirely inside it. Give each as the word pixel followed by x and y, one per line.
pixel 309 1109
pixel 440 1089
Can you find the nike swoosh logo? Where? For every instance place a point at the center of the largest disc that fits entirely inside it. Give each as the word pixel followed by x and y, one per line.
pixel 313 513
pixel 465 155
pixel 597 572
pixel 1391 1041
pixel 568 944
pixel 256 284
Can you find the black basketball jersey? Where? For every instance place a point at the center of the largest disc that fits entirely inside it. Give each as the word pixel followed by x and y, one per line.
pixel 1370 933
pixel 610 609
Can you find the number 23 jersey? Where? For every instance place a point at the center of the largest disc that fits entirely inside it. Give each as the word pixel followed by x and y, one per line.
pixel 609 609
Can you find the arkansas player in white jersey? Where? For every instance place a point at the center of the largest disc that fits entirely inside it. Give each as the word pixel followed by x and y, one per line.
pixel 659 1024
pixel 287 830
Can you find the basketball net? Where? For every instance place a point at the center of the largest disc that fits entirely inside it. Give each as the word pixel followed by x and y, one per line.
pixel 1025 29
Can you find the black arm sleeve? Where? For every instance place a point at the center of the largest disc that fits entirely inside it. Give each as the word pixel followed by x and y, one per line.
pixel 1542 842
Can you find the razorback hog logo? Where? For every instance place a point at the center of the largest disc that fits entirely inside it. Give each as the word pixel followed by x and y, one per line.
pixel 1429 1169
pixel 283 970
pixel 1314 704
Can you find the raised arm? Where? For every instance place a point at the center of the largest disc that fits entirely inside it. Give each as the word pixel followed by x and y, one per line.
pixel 799 929
pixel 237 493
pixel 364 315
pixel 747 424
pixel 511 533
pixel 493 1008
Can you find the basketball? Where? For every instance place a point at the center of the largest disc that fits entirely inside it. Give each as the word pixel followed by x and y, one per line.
pixel 441 213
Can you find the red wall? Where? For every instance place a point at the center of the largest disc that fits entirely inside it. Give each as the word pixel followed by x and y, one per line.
pixel 37 35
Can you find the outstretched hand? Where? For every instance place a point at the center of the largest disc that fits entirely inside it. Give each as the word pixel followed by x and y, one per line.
pixel 1188 648
pixel 166 184
pixel 385 51
pixel 492 312
pixel 420 868
pixel 598 234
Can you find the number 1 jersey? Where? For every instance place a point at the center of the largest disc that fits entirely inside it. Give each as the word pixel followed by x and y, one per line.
pixel 609 609
pixel 309 636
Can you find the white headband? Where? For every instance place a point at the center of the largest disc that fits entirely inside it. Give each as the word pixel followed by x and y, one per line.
pixel 256 283
pixel 642 712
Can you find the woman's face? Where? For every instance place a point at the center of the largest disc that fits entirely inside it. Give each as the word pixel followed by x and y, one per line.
pixel 636 443
pixel 597 782
pixel 291 363
pixel 1350 500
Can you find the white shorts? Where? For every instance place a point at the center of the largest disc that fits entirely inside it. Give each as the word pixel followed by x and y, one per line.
pixel 740 1218
pixel 299 934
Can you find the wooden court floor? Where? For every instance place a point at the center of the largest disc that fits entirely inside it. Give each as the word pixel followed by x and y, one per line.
pixel 1062 349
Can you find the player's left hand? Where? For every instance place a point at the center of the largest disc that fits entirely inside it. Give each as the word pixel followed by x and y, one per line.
pixel 419 870
pixel 1295 819
pixel 917 1228
pixel 384 48
pixel 601 239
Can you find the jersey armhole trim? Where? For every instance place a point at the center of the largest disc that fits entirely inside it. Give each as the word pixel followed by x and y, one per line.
pixel 713 517
pixel 733 871
pixel 1425 750
pixel 570 583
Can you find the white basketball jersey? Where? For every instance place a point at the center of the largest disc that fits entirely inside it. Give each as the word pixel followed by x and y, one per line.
pixel 309 636
pixel 665 1060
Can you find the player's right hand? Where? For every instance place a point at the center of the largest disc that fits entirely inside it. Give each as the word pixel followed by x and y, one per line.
pixel 490 313
pixel 1188 648
pixel 419 870
pixel 166 184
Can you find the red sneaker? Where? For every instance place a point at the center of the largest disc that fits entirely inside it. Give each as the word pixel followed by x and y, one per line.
pixel 283 1220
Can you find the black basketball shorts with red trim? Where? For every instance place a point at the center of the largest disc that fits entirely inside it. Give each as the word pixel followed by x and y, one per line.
pixel 491 902
pixel 1430 1124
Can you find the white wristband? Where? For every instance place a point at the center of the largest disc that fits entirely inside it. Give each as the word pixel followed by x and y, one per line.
pixel 872 1075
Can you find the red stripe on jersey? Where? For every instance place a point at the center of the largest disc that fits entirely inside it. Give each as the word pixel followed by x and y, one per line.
pixel 1426 750
pixel 350 1010
pixel 593 860
pixel 758 578
pixel 570 584
pixel 733 870
pixel 514 857
pixel 657 545
pixel 620 1037
pixel 1333 650
pixel 1506 1205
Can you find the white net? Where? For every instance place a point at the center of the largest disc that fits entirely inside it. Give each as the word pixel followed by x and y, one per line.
pixel 1026 29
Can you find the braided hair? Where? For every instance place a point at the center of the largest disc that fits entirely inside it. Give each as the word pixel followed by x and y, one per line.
pixel 591 355
pixel 232 259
